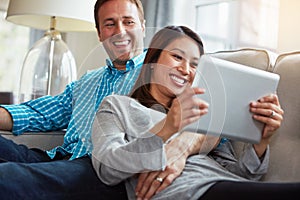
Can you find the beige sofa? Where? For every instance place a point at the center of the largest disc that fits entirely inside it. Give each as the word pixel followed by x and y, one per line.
pixel 285 146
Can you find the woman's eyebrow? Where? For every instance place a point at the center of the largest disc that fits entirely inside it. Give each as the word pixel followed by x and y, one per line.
pixel 174 49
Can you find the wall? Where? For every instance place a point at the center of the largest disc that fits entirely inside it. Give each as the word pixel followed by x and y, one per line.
pixel 87 50
pixel 289 29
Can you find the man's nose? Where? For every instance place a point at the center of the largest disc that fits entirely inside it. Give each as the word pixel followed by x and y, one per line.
pixel 120 29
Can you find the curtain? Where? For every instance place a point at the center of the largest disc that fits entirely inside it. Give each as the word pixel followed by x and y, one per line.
pixel 158 13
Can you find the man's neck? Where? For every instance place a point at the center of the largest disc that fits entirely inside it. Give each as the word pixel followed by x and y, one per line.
pixel 120 64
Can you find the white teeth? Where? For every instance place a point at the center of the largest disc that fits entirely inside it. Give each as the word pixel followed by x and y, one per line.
pixel 121 43
pixel 177 79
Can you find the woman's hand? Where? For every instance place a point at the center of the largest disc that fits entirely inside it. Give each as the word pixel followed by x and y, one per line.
pixel 268 111
pixel 185 109
pixel 153 182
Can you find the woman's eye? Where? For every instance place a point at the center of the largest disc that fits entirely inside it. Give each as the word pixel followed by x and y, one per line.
pixel 177 57
pixel 194 65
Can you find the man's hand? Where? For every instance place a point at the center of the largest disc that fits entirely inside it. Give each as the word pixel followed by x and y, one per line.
pixel 5 120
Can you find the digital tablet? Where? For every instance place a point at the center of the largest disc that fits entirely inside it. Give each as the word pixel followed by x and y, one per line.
pixel 230 87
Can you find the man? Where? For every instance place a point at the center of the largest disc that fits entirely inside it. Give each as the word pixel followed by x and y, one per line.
pixel 66 172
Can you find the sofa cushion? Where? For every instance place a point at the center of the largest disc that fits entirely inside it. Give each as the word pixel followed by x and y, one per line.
pixel 258 58
pixel 285 145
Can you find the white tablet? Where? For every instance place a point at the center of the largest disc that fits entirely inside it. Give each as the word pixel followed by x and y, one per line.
pixel 230 87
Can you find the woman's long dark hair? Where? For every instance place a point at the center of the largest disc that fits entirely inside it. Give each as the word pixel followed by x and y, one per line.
pixel 141 89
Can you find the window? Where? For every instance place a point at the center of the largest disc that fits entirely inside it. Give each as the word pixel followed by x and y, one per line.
pixel 233 24
pixel 14 43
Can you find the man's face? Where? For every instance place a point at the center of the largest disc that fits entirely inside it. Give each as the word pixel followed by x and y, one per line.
pixel 121 30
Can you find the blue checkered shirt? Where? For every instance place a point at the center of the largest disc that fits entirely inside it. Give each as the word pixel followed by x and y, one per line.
pixel 74 109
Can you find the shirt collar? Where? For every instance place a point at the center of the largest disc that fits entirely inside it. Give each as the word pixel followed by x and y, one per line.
pixel 130 64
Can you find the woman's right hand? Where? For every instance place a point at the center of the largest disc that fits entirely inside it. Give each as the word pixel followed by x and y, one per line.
pixel 185 109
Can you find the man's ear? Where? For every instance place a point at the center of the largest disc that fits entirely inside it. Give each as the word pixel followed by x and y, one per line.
pixel 144 27
pixel 99 35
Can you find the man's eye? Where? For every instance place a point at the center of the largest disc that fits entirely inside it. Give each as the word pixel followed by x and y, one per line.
pixel 129 23
pixel 109 25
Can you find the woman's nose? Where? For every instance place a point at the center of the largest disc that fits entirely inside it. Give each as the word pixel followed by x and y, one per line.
pixel 184 68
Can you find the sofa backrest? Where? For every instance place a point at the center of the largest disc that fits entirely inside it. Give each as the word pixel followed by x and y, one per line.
pixel 285 146
pixel 257 58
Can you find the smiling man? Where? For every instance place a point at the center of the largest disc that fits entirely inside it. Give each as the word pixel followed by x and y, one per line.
pixel 66 172
pixel 121 31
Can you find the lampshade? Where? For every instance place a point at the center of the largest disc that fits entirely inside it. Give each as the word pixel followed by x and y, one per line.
pixel 3 5
pixel 49 65
pixel 71 15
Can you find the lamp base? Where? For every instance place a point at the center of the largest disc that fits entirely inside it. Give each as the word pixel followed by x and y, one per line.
pixel 48 67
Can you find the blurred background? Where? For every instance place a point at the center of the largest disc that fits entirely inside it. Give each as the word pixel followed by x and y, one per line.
pixel 222 24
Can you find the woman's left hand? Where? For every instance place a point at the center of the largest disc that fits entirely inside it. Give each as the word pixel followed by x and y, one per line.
pixel 151 183
pixel 267 110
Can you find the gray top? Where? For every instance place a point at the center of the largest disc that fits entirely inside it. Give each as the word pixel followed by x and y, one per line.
pixel 123 147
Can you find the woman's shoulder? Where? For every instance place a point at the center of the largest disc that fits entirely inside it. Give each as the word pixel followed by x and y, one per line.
pixel 120 102
pixel 120 99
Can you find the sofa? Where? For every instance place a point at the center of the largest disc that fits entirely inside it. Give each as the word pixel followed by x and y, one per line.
pixel 285 145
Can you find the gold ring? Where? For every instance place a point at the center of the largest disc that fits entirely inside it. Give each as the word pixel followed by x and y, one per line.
pixel 159 179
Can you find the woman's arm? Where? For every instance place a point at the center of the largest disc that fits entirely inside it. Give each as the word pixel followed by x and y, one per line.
pixel 122 143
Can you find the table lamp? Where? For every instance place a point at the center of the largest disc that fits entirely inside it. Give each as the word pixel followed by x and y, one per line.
pixel 49 65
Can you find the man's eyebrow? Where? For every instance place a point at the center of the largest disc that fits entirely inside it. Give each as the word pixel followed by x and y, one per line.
pixel 127 17
pixel 112 19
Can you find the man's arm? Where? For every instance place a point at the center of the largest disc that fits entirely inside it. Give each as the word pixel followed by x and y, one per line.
pixel 5 120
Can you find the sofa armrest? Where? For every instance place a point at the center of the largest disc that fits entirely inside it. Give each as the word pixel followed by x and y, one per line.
pixel 41 140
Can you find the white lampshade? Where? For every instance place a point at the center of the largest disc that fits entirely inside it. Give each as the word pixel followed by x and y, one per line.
pixel 3 5
pixel 49 65
pixel 71 15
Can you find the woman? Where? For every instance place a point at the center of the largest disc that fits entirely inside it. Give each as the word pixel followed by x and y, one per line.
pixel 130 133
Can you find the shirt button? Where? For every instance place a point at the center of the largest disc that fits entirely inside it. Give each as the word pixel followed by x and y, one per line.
pixel 83 140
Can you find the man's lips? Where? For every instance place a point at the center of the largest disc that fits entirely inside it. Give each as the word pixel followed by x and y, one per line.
pixel 121 43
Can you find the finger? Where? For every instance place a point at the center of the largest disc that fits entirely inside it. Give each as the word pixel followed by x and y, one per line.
pixel 268 121
pixel 259 107
pixel 167 181
pixel 147 184
pixel 190 92
pixel 159 185
pixel 269 113
pixel 141 179
pixel 272 98
pixel 153 188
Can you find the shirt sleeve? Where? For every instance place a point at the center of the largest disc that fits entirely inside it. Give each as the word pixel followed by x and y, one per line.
pixel 46 113
pixel 117 154
pixel 246 164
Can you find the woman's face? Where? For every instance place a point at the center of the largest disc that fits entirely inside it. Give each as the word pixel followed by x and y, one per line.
pixel 175 69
